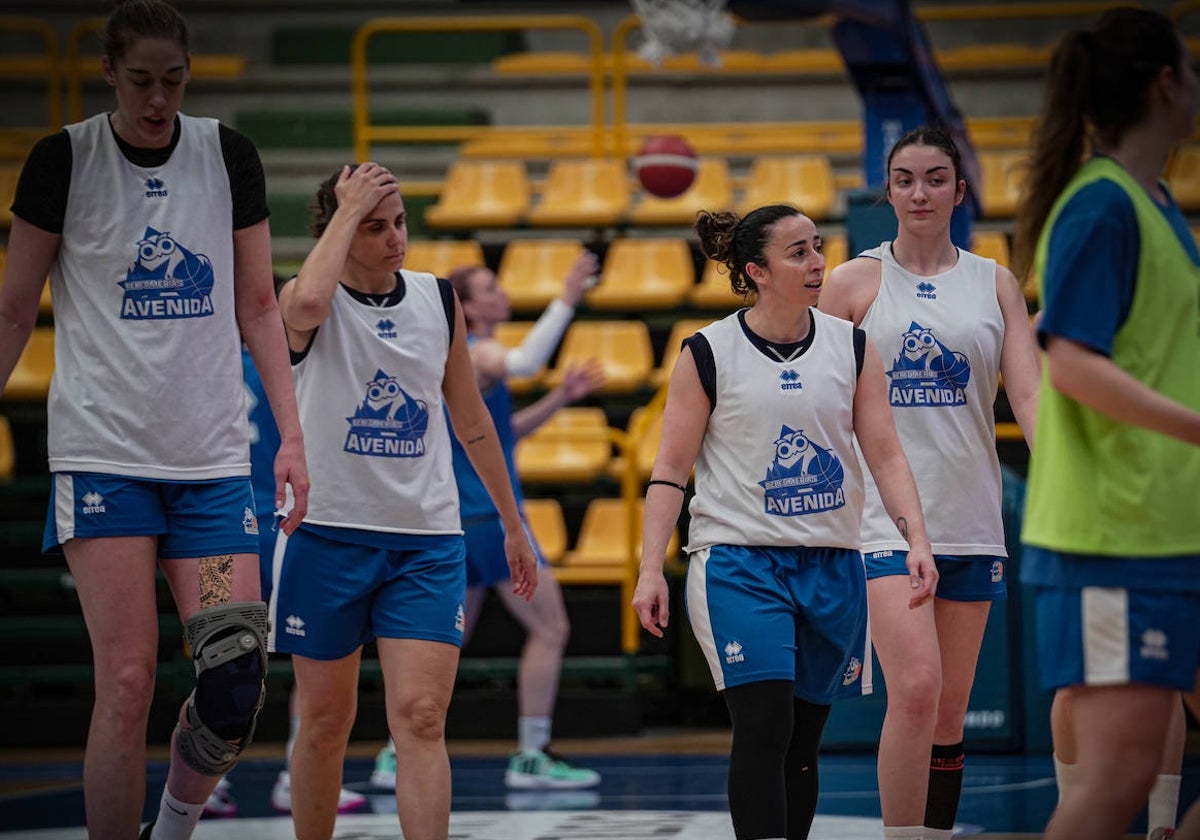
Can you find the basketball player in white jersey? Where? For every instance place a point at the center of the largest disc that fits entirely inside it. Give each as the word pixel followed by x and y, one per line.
pixel 946 323
pixel 153 228
pixel 766 405
pixel 377 352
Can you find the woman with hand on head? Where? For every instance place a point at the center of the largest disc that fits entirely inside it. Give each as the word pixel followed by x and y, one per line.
pixel 1110 537
pixel 153 227
pixel 947 323
pixel 544 617
pixel 766 404
pixel 377 352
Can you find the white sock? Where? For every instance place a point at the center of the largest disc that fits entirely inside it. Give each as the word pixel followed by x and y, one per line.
pixel 904 832
pixel 1163 804
pixel 533 733
pixel 176 820
pixel 1064 775
pixel 938 833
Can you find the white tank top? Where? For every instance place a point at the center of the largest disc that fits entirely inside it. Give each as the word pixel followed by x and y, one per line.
pixel 777 465
pixel 940 338
pixel 370 397
pixel 147 379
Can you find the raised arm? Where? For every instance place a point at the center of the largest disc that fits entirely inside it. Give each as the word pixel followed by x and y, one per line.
pixel 685 419
pixel 880 445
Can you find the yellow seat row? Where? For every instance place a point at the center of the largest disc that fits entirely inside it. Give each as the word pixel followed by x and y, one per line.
pixel 597 192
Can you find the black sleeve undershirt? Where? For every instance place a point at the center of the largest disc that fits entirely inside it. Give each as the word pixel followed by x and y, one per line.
pixel 45 181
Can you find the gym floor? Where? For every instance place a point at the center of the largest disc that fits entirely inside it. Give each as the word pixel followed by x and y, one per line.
pixel 654 786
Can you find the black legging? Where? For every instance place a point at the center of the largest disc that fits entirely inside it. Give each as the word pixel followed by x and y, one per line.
pixel 773 780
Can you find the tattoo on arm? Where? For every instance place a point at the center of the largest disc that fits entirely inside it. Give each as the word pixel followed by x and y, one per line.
pixel 475 439
pixel 902 524
pixel 216 580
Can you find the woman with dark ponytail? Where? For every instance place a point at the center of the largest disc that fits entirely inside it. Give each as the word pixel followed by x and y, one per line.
pixel 766 405
pixel 1110 536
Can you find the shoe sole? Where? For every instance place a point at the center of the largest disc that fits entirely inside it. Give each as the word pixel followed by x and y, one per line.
pixel 383 781
pixel 522 782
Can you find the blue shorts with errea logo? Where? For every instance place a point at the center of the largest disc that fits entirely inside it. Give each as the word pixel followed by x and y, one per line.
pixel 966 577
pixel 190 518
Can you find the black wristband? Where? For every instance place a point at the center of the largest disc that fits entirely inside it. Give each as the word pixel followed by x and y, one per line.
pixel 678 487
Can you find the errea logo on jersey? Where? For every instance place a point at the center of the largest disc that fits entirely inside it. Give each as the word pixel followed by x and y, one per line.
pixel 155 188
pixel 93 502
pixel 789 380
pixel 926 291
pixel 1154 645
pixel 295 626
pixel 733 653
pixel 386 328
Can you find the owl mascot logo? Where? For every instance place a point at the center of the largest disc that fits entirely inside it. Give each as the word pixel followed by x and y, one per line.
pixel 927 372
pixel 803 477
pixel 388 421
pixel 167 281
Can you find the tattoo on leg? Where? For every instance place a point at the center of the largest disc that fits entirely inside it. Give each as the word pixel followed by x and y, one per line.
pixel 216 580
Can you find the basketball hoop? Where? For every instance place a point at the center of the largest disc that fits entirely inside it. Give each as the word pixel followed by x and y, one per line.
pixel 670 27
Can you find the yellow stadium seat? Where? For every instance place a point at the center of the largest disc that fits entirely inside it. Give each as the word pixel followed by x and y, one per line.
pixel 30 379
pixel 1183 176
pixel 804 181
pixel 622 348
pixel 8 453
pixel 481 194
pixel 1001 172
pixel 532 271
pixel 679 331
pixel 835 249
pixel 511 334
pixel 648 436
pixel 712 190
pixel 602 548
pixel 545 518
pixel 441 256
pixel 713 291
pixel 587 192
pixel 571 447
pixel 992 244
pixel 641 274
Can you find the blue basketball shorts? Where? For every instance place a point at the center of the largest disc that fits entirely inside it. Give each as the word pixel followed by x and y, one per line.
pixel 330 597
pixel 798 614
pixel 487 564
pixel 967 577
pixel 1095 635
pixel 191 519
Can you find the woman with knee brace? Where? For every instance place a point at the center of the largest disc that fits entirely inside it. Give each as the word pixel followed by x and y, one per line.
pixel 766 405
pixel 153 227
pixel 382 368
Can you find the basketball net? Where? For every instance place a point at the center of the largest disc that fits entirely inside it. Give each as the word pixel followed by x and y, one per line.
pixel 670 27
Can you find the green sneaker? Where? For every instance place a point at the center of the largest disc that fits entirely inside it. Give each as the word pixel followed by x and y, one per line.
pixel 384 774
pixel 542 769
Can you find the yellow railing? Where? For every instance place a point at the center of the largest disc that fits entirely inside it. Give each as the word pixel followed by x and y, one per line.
pixel 365 132
pixel 15 141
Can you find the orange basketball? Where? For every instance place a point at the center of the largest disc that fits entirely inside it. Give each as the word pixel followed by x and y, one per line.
pixel 666 165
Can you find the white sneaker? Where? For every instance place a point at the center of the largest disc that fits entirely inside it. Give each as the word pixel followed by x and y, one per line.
pixel 281 797
pixel 220 802
pixel 384 774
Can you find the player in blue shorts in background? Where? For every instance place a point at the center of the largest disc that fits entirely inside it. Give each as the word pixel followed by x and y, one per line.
pixel 1110 537
pixel 947 323
pixel 766 404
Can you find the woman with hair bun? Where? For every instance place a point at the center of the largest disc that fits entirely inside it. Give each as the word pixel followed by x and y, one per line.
pixel 765 404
